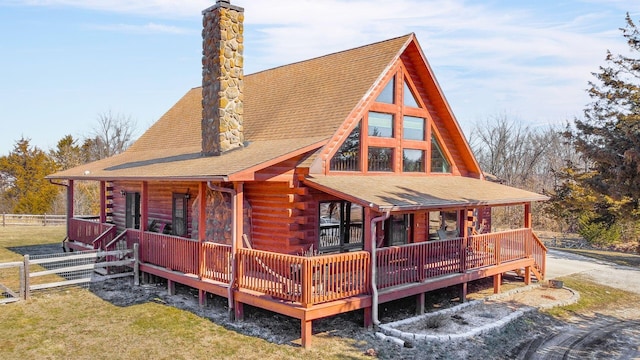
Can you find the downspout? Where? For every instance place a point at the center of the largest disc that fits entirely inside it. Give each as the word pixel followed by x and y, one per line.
pixel 374 269
pixel 234 239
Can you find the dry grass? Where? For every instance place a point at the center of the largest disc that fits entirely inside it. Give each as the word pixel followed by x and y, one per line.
pixel 594 297
pixel 11 236
pixel 76 324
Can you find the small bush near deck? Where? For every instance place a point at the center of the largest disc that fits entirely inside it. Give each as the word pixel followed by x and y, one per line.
pixel 436 321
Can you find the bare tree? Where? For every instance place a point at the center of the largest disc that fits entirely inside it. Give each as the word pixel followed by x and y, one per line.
pixel 112 135
pixel 512 152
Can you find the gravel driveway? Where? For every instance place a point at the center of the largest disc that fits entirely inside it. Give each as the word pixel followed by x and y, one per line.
pixel 561 263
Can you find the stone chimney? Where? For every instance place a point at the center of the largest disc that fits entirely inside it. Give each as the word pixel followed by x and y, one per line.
pixel 222 78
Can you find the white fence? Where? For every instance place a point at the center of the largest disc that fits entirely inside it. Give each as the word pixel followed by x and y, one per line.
pixel 27 220
pixel 18 280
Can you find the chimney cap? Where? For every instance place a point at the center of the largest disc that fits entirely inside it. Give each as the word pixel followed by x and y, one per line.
pixel 223 4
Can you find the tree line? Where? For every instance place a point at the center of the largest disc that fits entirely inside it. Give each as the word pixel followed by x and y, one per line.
pixel 23 187
pixel 590 168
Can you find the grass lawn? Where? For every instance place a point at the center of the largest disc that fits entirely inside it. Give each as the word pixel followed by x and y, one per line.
pixel 76 324
pixel 11 236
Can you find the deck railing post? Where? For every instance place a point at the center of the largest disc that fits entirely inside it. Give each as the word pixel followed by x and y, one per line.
pixel 463 254
pixel 306 283
pixel 498 247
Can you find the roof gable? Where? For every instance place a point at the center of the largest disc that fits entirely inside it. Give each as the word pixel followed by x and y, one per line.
pixel 419 79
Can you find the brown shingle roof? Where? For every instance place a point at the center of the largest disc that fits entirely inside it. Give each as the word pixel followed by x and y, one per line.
pixel 420 192
pixel 286 109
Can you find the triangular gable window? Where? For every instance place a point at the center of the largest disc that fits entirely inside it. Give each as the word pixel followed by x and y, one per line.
pixel 439 164
pixel 348 156
pixel 409 97
pixel 387 94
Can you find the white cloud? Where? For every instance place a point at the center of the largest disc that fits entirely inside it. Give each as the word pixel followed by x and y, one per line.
pixel 149 28
pixel 532 58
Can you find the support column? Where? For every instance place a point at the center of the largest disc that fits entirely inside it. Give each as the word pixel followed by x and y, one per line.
pixel 239 231
pixel 497 283
pixel 144 207
pixel 463 292
pixel 306 331
pixel 103 202
pixel 70 208
pixel 202 236
pixel 420 303
pixel 527 215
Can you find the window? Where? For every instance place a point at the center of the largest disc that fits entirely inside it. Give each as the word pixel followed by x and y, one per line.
pixel 413 128
pixel 132 212
pixel 443 225
pixel 409 97
pixel 348 156
pixel 380 159
pixel 180 206
pixel 388 94
pixel 439 163
pixel 397 229
pixel 340 226
pixel 380 124
pixel 412 160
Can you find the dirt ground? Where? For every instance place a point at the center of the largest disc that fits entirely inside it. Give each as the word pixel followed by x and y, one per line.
pixel 612 334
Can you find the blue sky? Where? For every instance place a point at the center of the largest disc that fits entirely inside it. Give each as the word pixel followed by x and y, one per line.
pixel 64 62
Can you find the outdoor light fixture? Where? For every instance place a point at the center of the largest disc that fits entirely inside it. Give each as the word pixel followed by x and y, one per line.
pixel 123 192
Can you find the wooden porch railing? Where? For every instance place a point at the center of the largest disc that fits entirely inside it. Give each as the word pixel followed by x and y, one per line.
pixel 416 262
pixel 171 252
pixel 324 278
pixel 216 262
pixel 405 264
pixel 306 280
pixel 539 252
pixel 90 232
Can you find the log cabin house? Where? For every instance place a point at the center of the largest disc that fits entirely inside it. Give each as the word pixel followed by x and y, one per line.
pixel 311 189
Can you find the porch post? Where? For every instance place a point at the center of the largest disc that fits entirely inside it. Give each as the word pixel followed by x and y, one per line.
pixel 144 206
pixel 528 241
pixel 527 215
pixel 368 322
pixel 239 231
pixel 202 223
pixel 103 202
pixel 70 209
pixel 463 230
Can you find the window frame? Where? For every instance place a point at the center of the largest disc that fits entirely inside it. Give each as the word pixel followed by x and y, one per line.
pixel 338 228
pixel 132 210
pixel 176 229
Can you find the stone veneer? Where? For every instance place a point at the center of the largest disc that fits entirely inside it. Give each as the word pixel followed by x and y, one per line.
pixel 222 78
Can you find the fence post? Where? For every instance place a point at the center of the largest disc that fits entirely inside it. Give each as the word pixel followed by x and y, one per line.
pixel 26 277
pixel 136 265
pixel 3 221
pixel 22 277
pixel 44 220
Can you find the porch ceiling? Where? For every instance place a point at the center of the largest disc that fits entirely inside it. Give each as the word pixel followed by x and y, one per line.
pixel 420 192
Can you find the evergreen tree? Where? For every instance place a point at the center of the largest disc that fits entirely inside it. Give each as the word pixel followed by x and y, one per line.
pixel 26 191
pixel 609 134
pixel 603 195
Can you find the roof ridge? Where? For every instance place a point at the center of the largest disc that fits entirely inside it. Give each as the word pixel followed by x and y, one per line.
pixel 334 53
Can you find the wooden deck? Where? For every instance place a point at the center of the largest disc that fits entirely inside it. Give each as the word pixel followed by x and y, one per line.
pixel 309 288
